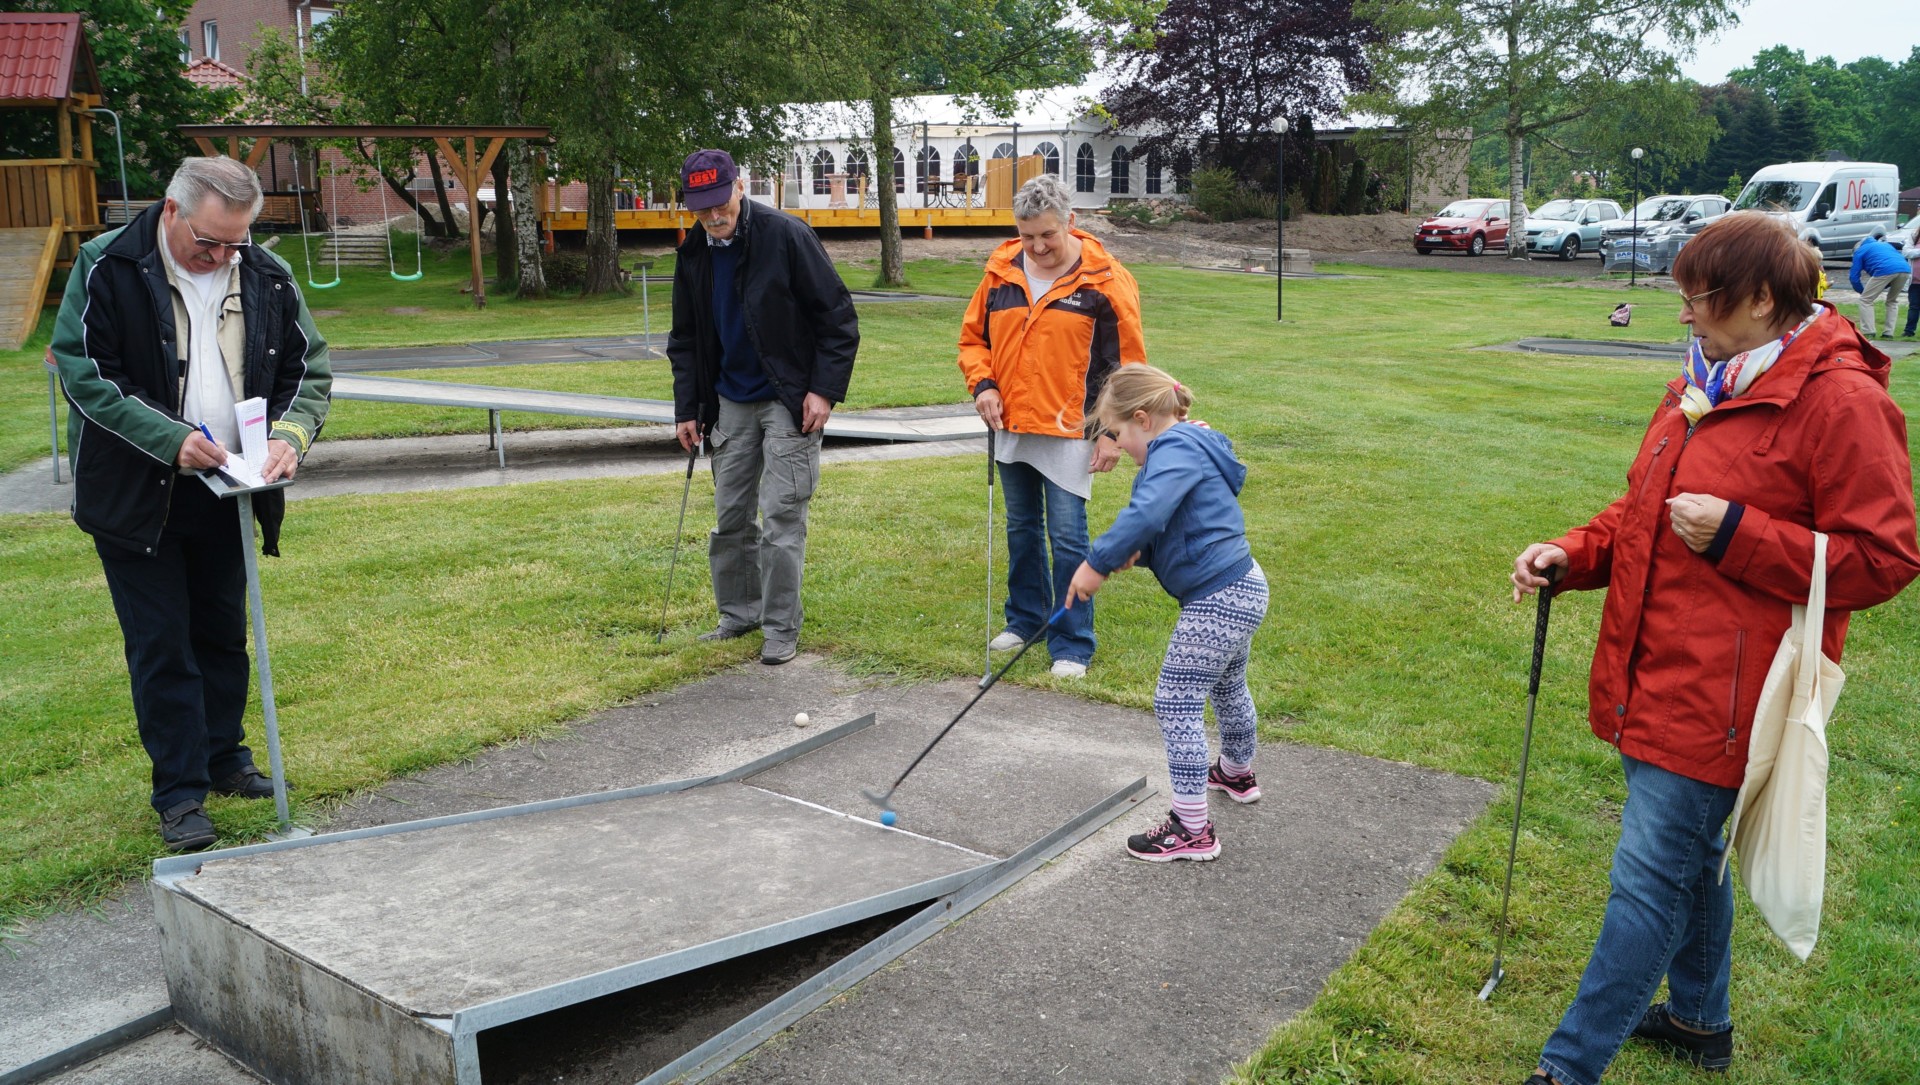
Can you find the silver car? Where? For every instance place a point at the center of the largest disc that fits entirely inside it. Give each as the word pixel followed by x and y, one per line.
pixel 1568 228
pixel 1653 232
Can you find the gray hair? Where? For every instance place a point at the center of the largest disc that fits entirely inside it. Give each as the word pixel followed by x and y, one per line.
pixel 236 185
pixel 1040 195
pixel 1879 232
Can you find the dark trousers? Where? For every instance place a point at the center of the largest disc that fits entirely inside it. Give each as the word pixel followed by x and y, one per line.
pixel 1913 307
pixel 183 616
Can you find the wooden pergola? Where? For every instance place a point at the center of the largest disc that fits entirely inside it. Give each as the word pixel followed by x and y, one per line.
pixel 483 145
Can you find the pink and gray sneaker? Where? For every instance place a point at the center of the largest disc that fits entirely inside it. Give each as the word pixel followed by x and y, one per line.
pixel 1172 840
pixel 1241 788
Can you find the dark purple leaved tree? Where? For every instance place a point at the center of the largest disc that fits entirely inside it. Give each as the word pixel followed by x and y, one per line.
pixel 1220 71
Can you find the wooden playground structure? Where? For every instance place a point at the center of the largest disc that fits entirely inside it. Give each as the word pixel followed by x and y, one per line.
pixel 48 206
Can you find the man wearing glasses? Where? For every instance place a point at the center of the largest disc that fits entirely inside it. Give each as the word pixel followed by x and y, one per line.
pixel 166 324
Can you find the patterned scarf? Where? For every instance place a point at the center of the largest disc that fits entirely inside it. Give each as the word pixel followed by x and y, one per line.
pixel 1710 384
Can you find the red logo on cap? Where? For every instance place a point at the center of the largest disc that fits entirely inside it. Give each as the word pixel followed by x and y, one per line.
pixel 699 178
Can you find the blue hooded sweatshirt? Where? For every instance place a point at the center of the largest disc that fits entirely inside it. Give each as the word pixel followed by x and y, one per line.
pixel 1876 258
pixel 1184 517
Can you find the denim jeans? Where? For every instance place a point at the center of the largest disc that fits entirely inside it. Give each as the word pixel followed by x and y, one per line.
pixel 183 620
pixel 761 464
pixel 1669 916
pixel 1043 517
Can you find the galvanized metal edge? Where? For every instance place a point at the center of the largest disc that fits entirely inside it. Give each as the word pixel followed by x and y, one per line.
pixel 90 1048
pixel 170 869
pixel 755 1029
pixel 500 1011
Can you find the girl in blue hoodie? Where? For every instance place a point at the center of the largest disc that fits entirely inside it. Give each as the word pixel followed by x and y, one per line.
pixel 1184 523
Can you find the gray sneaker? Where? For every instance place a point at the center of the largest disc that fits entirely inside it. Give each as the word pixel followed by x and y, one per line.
pixel 773 653
pixel 724 631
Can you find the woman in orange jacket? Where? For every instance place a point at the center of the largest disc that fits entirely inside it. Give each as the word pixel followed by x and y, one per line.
pixel 1053 315
pixel 1779 426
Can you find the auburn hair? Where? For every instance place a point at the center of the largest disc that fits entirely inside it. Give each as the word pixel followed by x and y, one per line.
pixel 1744 255
pixel 1140 388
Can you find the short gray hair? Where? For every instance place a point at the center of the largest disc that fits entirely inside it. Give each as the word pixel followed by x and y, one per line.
pixel 236 185
pixel 1040 195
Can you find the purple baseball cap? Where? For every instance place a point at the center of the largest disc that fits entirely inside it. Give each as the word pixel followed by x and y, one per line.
pixel 706 179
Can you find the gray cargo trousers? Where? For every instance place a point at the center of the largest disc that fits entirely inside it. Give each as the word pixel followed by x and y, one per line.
pixel 761 463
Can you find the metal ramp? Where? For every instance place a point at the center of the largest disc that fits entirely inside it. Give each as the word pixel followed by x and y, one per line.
pixel 26 265
pixel 382 954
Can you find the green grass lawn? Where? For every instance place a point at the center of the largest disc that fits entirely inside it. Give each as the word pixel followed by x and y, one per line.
pixel 1395 472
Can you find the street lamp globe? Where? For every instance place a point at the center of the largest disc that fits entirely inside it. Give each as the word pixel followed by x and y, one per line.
pixel 1638 154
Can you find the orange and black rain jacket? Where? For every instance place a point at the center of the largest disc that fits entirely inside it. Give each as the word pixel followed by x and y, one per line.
pixel 1048 356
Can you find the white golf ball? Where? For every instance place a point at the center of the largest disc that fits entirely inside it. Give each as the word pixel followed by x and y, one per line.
pixel 801 719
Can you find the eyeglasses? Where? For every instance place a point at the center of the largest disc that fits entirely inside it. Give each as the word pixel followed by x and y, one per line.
pixel 209 243
pixel 1687 300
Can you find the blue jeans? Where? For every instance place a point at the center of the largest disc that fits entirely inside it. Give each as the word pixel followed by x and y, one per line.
pixel 1669 916
pixel 1043 517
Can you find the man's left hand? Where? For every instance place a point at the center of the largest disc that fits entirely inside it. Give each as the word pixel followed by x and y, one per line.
pixel 1106 453
pixel 282 461
pixel 1696 519
pixel 814 412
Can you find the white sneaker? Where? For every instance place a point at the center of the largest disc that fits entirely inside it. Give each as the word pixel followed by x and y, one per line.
pixel 1067 668
pixel 1007 641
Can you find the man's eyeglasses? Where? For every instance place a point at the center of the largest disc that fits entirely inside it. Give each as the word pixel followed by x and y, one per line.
pixel 209 243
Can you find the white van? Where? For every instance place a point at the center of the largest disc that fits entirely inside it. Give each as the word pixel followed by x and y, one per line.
pixel 1831 204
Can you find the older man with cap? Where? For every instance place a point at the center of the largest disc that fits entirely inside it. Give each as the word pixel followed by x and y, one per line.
pixel 166 324
pixel 762 347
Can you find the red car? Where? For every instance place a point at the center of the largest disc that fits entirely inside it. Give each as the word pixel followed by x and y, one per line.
pixel 1469 226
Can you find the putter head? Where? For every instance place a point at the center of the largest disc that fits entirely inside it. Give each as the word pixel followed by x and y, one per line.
pixel 883 801
pixel 1493 981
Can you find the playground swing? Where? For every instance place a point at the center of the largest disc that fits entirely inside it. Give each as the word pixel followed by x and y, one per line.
pixel 306 254
pixel 419 229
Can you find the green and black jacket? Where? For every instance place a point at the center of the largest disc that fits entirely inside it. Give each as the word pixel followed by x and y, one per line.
pixel 116 345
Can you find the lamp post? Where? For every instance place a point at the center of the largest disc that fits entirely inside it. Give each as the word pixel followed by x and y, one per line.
pixel 1280 221
pixel 1633 267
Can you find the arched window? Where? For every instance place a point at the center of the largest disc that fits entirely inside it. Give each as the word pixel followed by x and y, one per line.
pixel 966 161
pixel 1050 155
pixel 1005 150
pixel 1083 169
pixel 1183 170
pixel 856 166
pixel 1153 171
pixel 799 169
pixel 926 167
pixel 822 165
pixel 1120 180
pixel 899 171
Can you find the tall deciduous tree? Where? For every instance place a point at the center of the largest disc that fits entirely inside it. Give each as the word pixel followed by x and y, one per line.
pixel 136 47
pixel 1542 64
pixel 1229 68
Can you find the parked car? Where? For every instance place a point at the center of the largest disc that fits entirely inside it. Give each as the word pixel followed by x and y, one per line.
pixel 1469 226
pixel 1568 228
pixel 1656 228
pixel 1832 205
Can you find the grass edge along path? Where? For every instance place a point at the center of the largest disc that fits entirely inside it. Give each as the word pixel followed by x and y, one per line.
pixel 1393 478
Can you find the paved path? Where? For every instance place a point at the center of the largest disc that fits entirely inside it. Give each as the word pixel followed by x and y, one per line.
pixel 1068 977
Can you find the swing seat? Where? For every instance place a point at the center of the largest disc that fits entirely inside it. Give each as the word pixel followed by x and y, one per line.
pixel 415 277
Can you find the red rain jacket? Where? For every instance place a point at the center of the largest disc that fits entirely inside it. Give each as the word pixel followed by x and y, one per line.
pixel 1685 642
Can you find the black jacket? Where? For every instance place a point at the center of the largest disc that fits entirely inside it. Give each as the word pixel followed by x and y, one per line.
pixel 116 347
pixel 798 312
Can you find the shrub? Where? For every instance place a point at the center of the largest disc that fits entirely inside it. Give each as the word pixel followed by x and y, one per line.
pixel 566 271
pixel 1221 197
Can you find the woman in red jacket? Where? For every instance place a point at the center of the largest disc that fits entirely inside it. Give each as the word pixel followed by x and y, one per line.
pixel 1778 426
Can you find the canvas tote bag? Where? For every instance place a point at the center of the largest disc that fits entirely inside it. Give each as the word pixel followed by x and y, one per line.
pixel 1779 823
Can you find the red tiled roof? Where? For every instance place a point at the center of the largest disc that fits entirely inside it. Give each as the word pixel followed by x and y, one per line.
pixel 40 56
pixel 208 72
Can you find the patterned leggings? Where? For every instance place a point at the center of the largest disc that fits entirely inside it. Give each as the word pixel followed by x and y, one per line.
pixel 1207 657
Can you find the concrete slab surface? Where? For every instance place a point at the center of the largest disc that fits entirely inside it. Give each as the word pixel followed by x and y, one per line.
pixel 441 919
pixel 77 975
pixel 172 1056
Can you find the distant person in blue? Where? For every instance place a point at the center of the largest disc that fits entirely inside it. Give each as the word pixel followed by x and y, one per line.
pixel 1184 522
pixel 1887 273
pixel 762 347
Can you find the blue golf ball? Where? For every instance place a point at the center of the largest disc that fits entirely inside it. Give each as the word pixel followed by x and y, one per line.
pixel 888 817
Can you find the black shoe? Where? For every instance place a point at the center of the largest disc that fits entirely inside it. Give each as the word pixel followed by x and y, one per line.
pixel 1538 1078
pixel 185 826
pixel 1171 840
pixel 773 653
pixel 247 783
pixel 726 632
pixel 1707 1050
